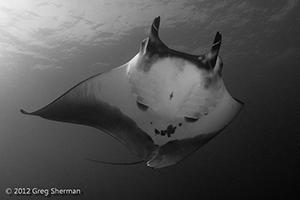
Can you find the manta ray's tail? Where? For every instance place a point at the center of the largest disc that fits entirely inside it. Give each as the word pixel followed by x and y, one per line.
pixel 112 163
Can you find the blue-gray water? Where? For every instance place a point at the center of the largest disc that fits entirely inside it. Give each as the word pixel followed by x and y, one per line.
pixel 46 47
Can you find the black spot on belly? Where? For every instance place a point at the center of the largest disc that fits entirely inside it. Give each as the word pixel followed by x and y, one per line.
pixel 142 106
pixel 169 131
pixel 171 95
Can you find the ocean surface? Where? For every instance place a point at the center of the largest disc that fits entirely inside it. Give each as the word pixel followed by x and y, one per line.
pixel 47 47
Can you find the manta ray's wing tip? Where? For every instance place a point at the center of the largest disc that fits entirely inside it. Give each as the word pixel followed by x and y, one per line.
pixel 241 102
pixel 24 112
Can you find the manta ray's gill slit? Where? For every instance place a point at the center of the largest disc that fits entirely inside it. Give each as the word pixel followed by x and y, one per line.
pixel 142 106
pixel 190 120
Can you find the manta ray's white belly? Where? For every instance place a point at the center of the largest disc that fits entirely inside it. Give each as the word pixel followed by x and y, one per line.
pixel 173 88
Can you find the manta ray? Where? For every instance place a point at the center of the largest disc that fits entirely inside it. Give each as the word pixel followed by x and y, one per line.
pixel 163 104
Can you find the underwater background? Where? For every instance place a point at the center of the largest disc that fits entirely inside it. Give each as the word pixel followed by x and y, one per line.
pixel 46 47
